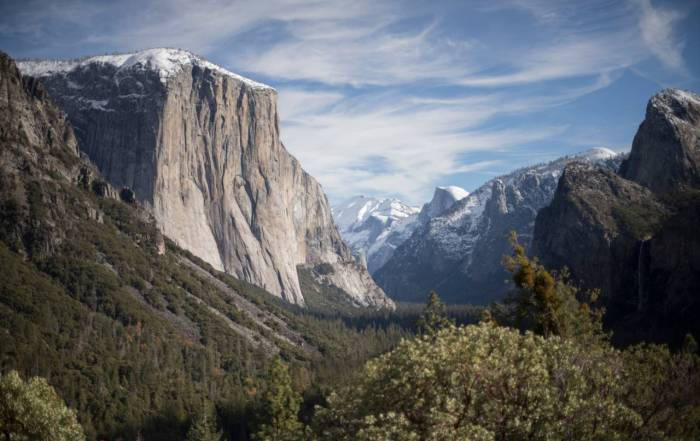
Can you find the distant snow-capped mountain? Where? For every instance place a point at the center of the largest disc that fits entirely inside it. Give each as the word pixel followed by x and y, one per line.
pixel 374 227
pixel 458 252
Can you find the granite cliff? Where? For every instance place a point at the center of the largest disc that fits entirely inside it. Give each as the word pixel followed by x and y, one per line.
pixel 634 234
pixel 200 147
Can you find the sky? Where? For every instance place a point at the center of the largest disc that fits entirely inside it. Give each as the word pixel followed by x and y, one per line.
pixel 391 98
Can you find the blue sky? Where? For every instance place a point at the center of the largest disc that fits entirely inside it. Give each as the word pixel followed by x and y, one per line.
pixel 391 98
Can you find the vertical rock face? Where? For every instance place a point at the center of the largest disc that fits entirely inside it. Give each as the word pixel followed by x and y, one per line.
pixel 200 146
pixel 665 153
pixel 35 141
pixel 635 234
pixel 458 253
pixel 33 120
pixel 443 199
pixel 594 226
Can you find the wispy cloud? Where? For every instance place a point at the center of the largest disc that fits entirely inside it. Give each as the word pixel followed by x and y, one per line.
pixel 578 57
pixel 657 26
pixel 387 97
pixel 361 50
pixel 417 141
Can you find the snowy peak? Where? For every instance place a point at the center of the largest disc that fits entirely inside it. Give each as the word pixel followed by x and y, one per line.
pixel 458 247
pixel 670 99
pixel 665 154
pixel 443 199
pixel 165 61
pixel 354 212
pixel 597 154
pixel 678 107
pixel 374 227
pixel 455 192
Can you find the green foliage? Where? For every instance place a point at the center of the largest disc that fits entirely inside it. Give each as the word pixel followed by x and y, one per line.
pixel 549 304
pixel 664 389
pixel 280 407
pixel 128 339
pixel 434 316
pixel 118 329
pixel 483 383
pixel 33 411
pixel 641 219
pixel 203 428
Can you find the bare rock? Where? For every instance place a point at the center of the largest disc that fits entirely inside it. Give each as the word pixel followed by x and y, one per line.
pixel 201 148
pixel 665 153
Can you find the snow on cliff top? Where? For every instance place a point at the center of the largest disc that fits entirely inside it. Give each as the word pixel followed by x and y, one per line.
pixel 674 104
pixel 597 154
pixel 167 62
pixel 458 193
pixel 678 94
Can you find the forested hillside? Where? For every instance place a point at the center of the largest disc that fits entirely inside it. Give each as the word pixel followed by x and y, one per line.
pixel 111 331
pixel 136 334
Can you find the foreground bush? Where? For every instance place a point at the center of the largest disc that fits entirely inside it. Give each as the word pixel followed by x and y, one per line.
pixel 32 410
pixel 484 383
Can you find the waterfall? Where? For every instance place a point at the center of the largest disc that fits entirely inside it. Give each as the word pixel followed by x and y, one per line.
pixel 640 276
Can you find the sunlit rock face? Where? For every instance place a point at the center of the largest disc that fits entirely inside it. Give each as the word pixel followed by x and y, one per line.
pixel 201 147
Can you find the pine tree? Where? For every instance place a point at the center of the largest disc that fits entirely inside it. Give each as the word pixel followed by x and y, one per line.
pixel 203 428
pixel 548 303
pixel 32 410
pixel 280 407
pixel 434 317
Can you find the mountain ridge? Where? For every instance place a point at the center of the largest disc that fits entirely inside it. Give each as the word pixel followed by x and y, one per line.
pixel 458 253
pixel 374 228
pixel 167 61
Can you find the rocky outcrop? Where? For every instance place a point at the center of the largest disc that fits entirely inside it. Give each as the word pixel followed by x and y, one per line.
pixel 40 169
pixel 200 147
pixel 634 234
pixel 35 141
pixel 458 253
pixel 29 118
pixel 595 226
pixel 443 199
pixel 665 153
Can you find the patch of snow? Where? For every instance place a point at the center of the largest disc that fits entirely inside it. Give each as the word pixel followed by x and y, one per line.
pixel 458 193
pixel 98 104
pixel 167 62
pixel 683 95
pixel 597 154
pixel 443 199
